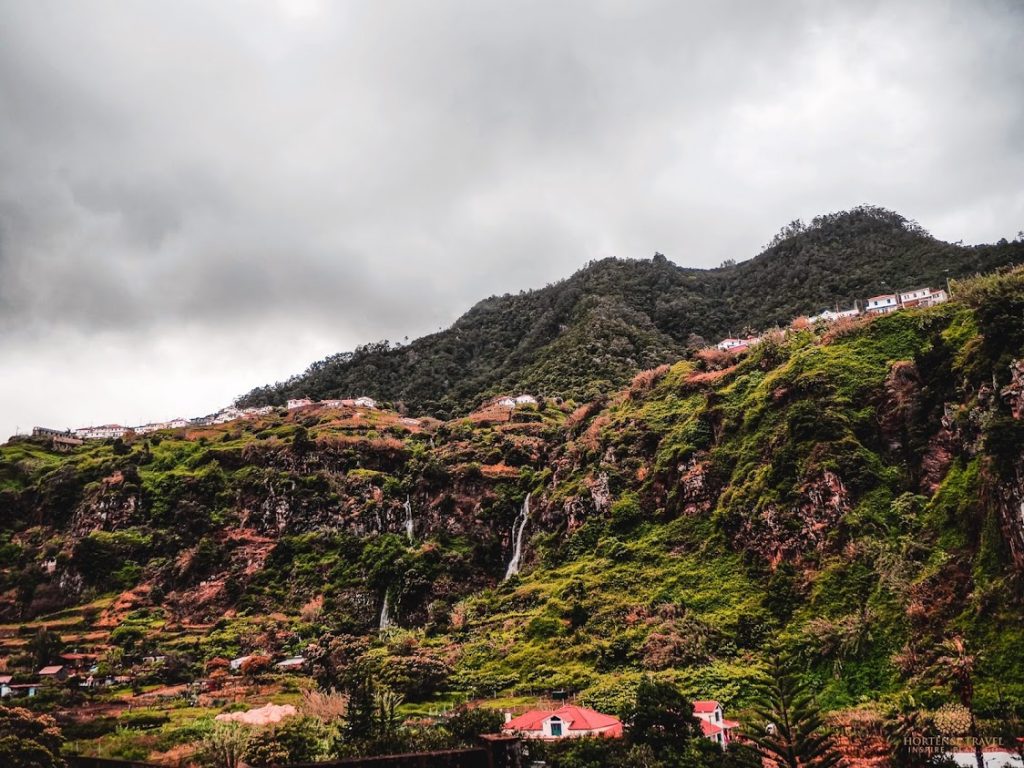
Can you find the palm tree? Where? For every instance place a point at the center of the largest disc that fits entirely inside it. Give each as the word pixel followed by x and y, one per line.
pixel 955 667
pixel 791 734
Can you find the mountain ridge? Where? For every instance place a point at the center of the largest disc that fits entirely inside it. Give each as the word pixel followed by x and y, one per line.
pixel 624 315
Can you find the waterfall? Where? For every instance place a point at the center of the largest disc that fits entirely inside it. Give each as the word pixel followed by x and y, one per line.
pixel 385 615
pixel 408 519
pixel 517 540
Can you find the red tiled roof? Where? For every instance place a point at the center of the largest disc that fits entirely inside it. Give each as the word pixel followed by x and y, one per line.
pixel 52 670
pixel 575 719
pixel 709 729
pixel 4 679
pixel 709 705
pixel 728 725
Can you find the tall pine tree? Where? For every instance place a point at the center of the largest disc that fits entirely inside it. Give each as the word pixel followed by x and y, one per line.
pixel 792 732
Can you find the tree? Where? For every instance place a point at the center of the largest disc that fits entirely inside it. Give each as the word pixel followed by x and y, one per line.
pixel 661 718
pixel 28 740
pixel 466 724
pixel 226 743
pixel 791 734
pixel 45 646
pixel 955 667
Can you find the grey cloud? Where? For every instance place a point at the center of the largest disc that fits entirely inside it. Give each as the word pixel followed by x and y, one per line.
pixel 365 170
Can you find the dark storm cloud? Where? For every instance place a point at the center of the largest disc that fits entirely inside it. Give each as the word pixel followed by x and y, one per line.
pixel 237 176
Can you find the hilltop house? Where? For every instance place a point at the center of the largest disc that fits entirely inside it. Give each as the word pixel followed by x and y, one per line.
pixel 922 297
pixel 737 345
pixel 830 316
pixel 883 304
pixel 713 724
pixel 300 402
pixel 566 722
pixel 101 433
pixel 293 664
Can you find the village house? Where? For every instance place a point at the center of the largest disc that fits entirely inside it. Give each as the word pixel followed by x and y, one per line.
pixel 54 673
pixel 713 724
pixel 883 304
pixel 566 722
pixel 300 402
pixel 48 432
pixel 830 316
pixel 101 433
pixel 922 297
pixel 13 690
pixel 236 664
pixel 78 661
pixel 5 686
pixel 293 664
pixel 737 345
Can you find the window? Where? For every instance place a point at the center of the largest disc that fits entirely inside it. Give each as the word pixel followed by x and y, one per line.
pixel 556 726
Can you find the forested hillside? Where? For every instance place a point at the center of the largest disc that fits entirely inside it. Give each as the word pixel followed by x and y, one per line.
pixel 589 334
pixel 848 495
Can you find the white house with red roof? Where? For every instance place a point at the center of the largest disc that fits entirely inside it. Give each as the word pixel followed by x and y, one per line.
pixel 713 724
pixel 566 722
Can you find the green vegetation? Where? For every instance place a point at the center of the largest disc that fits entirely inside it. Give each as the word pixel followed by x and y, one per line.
pixel 844 495
pixel 589 334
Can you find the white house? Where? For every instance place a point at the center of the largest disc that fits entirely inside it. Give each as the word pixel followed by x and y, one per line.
pixel 934 297
pixel 236 664
pixel 300 402
pixel 883 304
pixel 101 433
pixel 713 724
pixel 566 722
pixel 737 345
pixel 507 402
pixel 365 402
pixel 293 664
pixel 526 400
pixel 913 298
pixel 830 316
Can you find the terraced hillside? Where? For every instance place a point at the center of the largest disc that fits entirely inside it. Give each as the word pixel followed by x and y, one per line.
pixel 850 495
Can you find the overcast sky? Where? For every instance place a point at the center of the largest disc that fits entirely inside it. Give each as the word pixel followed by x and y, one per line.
pixel 200 197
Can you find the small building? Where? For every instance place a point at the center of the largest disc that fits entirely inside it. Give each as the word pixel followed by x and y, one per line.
pixel 54 673
pixel 293 664
pixel 507 402
pixel 713 724
pixel 882 304
pixel 236 664
pixel 300 402
pixel 104 432
pixel 566 722
pixel 525 400
pixel 934 297
pixel 14 690
pixel 78 660
pixel 830 316
pixel 737 345
pixel 5 686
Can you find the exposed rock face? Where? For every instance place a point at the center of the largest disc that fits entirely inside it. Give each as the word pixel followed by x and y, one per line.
pixel 695 494
pixel 900 404
pixel 114 504
pixel 1013 393
pixel 780 533
pixel 1009 499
